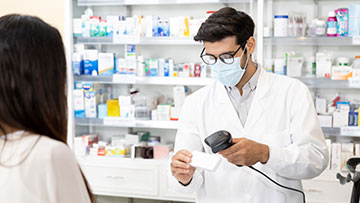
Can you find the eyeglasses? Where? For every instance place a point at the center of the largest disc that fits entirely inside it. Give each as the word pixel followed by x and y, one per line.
pixel 210 59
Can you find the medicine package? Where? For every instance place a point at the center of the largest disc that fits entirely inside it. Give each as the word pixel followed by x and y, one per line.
pixel 205 161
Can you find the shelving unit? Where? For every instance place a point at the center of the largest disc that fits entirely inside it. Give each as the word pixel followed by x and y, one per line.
pixel 119 79
pixel 117 122
pixel 137 41
pixel 153 2
pixel 310 41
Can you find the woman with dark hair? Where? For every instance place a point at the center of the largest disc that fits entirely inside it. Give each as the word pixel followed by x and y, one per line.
pixel 36 165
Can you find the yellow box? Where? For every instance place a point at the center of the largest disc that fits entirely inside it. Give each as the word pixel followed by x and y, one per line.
pixel 113 107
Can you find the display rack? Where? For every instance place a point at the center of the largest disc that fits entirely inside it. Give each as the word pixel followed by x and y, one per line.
pixel 119 79
pixel 311 41
pixel 137 41
pixel 153 2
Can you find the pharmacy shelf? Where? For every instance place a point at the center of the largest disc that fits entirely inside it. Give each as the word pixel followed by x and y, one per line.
pixel 310 41
pixel 349 131
pixel 325 83
pixel 153 2
pixel 116 161
pixel 115 122
pixel 119 79
pixel 137 41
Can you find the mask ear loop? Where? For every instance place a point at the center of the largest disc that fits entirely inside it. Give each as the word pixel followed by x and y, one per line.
pixel 247 59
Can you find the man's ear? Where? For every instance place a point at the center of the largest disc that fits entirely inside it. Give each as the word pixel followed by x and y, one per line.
pixel 250 46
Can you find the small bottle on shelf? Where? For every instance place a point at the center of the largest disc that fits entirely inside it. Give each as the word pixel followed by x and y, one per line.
pixel 331 24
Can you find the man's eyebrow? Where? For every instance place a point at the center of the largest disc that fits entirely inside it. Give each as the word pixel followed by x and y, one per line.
pixel 228 52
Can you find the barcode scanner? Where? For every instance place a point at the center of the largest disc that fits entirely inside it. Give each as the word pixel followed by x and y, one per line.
pixel 222 139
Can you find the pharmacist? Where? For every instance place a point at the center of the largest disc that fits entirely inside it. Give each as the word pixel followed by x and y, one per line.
pixel 271 117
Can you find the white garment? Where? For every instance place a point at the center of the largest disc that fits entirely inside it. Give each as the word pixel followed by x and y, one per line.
pixel 242 103
pixel 282 116
pixel 49 174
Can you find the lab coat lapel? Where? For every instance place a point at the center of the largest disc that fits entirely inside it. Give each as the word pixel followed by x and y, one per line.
pixel 257 105
pixel 226 110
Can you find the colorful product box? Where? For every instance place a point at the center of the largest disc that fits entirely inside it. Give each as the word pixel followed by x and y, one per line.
pixel 106 64
pixel 91 62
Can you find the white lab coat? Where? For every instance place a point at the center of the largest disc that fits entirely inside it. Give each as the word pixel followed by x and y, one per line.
pixel 282 116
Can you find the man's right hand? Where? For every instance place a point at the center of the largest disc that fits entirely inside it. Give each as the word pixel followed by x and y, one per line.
pixel 180 167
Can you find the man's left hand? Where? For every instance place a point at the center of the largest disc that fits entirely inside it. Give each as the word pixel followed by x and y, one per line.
pixel 246 152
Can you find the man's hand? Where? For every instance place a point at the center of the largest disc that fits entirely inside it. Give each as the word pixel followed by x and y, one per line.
pixel 180 167
pixel 246 152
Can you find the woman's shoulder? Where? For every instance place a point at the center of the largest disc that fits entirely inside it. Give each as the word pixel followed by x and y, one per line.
pixel 51 149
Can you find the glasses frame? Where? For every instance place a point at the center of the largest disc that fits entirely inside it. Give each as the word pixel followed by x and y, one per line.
pixel 220 56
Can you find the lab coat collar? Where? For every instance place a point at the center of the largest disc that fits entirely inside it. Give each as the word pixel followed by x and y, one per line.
pixel 261 89
pixel 256 108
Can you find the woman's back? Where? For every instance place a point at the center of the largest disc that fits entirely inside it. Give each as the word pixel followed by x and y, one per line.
pixel 49 173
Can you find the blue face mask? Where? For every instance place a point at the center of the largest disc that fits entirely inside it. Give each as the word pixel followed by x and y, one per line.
pixel 229 74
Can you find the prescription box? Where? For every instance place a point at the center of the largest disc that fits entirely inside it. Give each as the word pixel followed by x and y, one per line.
pixel 335 156
pixel 91 62
pixel 341 72
pixel 340 119
pixel 79 105
pixel 326 121
pixel 90 100
pixel 113 108
pixel 106 64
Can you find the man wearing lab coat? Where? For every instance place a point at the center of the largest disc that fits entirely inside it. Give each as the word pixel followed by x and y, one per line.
pixel 271 118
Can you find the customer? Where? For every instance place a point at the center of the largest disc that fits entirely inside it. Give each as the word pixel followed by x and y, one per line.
pixel 36 165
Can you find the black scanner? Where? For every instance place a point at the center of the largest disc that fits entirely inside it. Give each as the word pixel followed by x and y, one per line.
pixel 222 139
pixel 219 141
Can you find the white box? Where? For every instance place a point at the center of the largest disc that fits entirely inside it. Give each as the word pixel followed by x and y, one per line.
pixel 340 119
pixel 323 65
pixel 132 139
pixel 179 96
pixel 79 105
pixel 335 156
pixel 294 66
pixel 149 26
pixel 325 121
pixel 79 148
pixel 328 144
pixel 320 105
pixel 106 64
pixel 124 101
pixel 347 147
pixel 341 72
pixel 205 161
pixel 357 149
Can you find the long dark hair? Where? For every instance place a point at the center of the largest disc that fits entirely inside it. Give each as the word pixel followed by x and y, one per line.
pixel 33 78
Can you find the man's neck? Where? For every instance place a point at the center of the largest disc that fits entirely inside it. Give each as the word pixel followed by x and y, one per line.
pixel 250 71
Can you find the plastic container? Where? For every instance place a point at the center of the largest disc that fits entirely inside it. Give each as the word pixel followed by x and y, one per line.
pixel 343 61
pixel 320 28
pixel 331 24
pixel 281 25
pixel 354 20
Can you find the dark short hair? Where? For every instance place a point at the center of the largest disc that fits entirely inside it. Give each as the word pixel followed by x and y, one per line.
pixel 226 22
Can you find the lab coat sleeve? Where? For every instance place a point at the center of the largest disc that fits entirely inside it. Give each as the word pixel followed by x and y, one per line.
pixel 66 176
pixel 187 138
pixel 307 156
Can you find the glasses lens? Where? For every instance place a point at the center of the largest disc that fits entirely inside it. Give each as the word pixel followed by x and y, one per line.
pixel 227 58
pixel 208 59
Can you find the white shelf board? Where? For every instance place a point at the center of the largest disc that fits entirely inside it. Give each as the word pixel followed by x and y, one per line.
pixel 191 81
pixel 348 131
pixel 310 41
pixel 172 125
pixel 326 83
pixel 153 2
pixel 137 41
